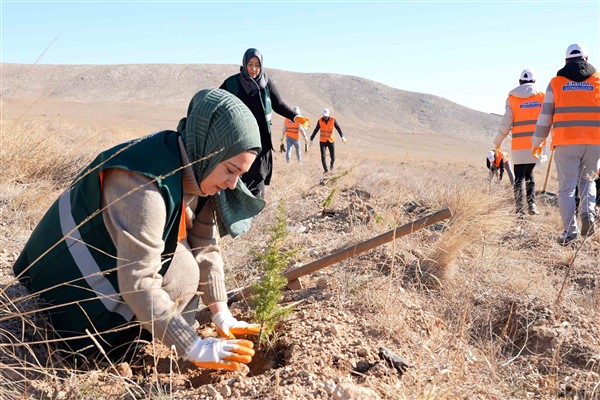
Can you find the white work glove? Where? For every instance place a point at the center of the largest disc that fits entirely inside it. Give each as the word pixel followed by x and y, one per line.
pixel 311 142
pixel 344 139
pixel 229 327
pixel 220 353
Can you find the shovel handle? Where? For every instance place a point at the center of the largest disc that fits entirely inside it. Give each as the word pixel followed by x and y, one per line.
pixel 548 170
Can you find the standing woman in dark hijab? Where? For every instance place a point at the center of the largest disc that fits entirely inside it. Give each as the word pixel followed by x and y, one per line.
pixel 259 94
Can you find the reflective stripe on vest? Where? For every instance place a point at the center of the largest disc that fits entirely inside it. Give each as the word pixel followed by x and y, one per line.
pixel 70 259
pixel 86 263
pixel 525 115
pixel 326 129
pixel 577 110
pixel 291 129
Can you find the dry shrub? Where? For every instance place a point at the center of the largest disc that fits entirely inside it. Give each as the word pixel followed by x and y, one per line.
pixel 29 155
pixel 20 326
pixel 39 159
pixel 36 167
pixel 476 215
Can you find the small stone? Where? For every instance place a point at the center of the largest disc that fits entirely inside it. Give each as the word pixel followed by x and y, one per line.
pixel 334 329
pixel 225 391
pixel 295 284
pixel 211 390
pixel 322 283
pixel 123 369
pixel 329 387
pixel 353 392
pixel 362 352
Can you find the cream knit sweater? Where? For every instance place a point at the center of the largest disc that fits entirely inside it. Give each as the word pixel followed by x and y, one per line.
pixel 135 223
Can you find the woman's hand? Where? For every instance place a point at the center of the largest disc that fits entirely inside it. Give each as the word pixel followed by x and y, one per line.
pixel 229 327
pixel 220 353
pixel 305 122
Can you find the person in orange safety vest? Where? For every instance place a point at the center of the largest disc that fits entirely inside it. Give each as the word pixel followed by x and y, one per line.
pixel 291 133
pixel 523 106
pixel 497 162
pixel 326 125
pixel 572 108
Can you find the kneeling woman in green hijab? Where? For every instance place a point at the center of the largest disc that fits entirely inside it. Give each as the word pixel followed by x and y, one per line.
pixel 132 244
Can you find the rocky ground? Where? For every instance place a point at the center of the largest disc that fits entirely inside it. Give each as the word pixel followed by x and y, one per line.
pixel 365 329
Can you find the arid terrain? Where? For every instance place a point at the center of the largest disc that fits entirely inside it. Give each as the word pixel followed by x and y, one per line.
pixel 482 305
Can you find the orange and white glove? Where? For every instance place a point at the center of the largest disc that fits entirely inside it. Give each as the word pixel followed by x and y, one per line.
pixel 229 327
pixel 220 353
pixel 305 122
pixel 536 152
pixel 344 139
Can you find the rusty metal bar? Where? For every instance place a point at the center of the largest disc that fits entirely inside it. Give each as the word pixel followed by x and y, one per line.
pixel 354 250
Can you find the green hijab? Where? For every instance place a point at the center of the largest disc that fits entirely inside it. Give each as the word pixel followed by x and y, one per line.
pixel 219 126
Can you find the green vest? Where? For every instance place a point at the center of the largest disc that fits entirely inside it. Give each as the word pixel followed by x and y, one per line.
pixel 70 257
pixel 232 84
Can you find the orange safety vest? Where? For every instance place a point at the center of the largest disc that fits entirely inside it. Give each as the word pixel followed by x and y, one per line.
pixel 291 129
pixel 577 110
pixel 525 115
pixel 326 129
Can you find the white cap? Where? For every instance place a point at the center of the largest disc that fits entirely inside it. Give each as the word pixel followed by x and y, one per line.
pixel 576 50
pixel 491 156
pixel 527 75
pixel 326 112
pixel 296 109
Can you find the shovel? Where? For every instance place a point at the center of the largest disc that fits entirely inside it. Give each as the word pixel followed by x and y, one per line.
pixel 548 195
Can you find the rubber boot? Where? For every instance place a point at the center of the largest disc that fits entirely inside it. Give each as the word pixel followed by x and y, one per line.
pixel 520 209
pixel 587 224
pixel 531 207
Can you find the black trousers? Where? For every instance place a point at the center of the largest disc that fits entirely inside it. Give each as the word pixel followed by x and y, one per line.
pixel 524 173
pixel 259 174
pixel 324 146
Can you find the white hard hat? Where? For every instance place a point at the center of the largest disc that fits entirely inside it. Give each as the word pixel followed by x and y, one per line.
pixel 527 75
pixel 326 112
pixel 576 50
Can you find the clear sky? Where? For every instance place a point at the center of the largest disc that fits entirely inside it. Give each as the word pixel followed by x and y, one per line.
pixel 470 52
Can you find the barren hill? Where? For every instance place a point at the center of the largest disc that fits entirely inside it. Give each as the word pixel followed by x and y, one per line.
pixel 155 96
pixel 483 305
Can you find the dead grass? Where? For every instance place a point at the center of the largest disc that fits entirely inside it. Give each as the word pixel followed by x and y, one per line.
pixel 486 331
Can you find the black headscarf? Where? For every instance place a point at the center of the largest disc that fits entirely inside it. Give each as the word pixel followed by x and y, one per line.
pixel 252 86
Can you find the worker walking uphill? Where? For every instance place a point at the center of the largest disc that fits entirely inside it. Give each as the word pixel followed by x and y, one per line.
pixel 291 133
pixel 523 106
pixel 326 139
pixel 572 108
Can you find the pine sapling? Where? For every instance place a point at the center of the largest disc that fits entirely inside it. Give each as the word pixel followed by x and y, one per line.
pixel 329 200
pixel 268 292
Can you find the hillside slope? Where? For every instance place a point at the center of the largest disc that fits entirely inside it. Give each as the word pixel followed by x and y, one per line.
pixel 358 103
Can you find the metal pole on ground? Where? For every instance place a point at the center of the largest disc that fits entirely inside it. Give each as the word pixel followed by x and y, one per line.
pixel 352 251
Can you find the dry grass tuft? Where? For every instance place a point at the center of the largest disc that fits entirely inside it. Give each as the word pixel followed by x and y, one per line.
pixel 32 156
pixel 24 355
pixel 476 216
